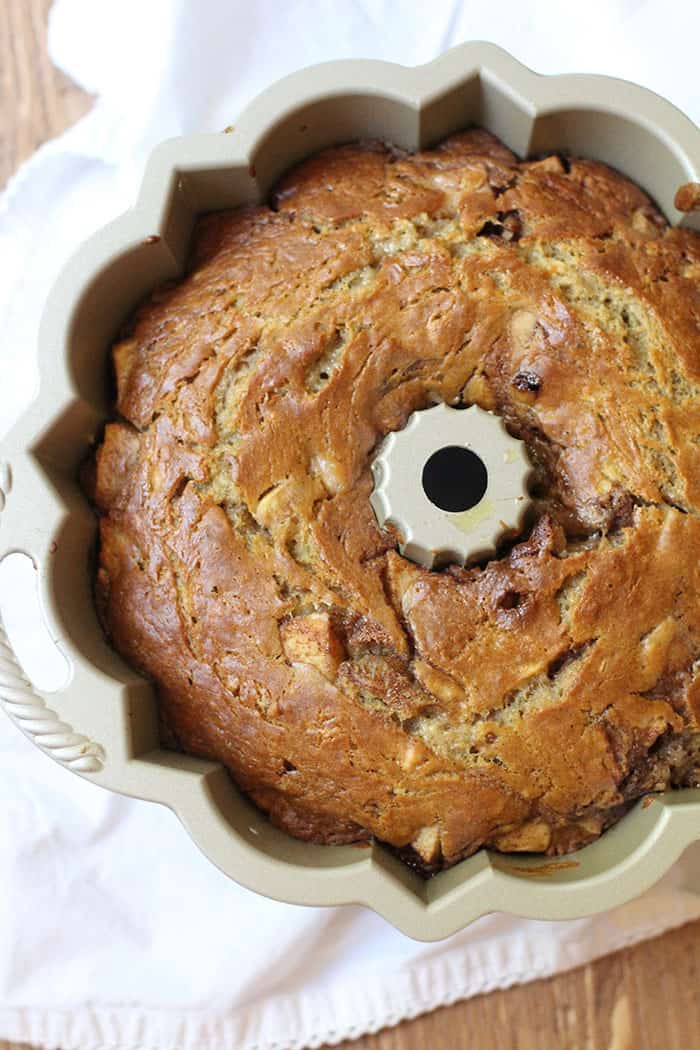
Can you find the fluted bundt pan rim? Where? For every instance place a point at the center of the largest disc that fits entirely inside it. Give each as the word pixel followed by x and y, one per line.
pixel 103 725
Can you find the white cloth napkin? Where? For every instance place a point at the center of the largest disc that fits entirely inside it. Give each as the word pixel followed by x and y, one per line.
pixel 114 930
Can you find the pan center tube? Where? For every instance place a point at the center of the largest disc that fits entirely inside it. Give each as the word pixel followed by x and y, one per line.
pixel 452 483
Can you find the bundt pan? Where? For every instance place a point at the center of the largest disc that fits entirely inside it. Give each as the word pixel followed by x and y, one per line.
pixel 103 724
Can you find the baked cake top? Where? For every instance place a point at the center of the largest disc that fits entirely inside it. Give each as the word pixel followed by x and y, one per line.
pixel 520 703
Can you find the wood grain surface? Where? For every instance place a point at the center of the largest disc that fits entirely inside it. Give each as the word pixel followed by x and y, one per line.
pixel 37 102
pixel 644 998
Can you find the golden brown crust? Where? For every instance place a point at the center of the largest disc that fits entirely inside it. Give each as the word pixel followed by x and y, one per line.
pixel 688 197
pixel 521 704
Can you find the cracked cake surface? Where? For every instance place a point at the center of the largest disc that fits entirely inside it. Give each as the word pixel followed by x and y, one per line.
pixel 520 704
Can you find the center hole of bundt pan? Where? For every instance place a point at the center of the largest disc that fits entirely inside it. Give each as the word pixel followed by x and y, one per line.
pixel 455 478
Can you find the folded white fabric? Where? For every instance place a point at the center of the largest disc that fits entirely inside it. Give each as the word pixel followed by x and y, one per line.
pixel 114 930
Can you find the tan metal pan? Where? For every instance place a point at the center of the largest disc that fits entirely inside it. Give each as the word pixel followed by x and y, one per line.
pixel 105 725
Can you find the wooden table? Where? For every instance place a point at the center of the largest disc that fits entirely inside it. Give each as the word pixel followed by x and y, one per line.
pixel 645 998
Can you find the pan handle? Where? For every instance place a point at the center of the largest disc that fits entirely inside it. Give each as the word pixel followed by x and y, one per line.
pixel 31 713
pixel 20 701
